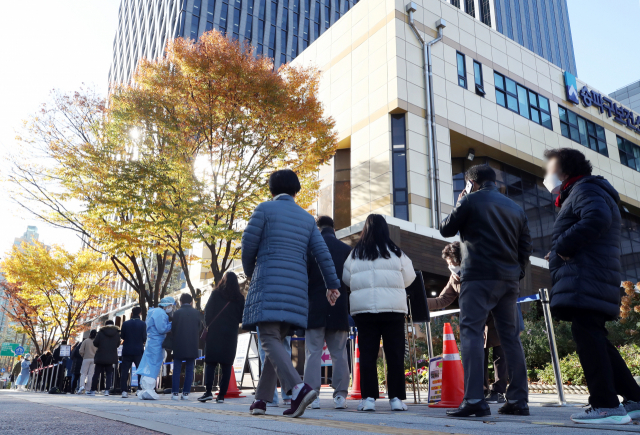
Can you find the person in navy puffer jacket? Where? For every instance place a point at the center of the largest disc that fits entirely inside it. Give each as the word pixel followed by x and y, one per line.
pixel 274 258
pixel 585 270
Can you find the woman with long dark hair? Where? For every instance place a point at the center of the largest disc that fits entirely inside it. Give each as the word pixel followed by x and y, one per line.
pixel 377 271
pixel 223 314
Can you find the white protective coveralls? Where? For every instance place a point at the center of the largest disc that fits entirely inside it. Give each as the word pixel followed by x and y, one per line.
pixel 158 326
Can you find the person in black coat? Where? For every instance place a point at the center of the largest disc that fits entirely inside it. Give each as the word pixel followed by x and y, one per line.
pixel 107 341
pixel 77 365
pixel 134 335
pixel 222 315
pixel 327 323
pixel 185 332
pixel 585 270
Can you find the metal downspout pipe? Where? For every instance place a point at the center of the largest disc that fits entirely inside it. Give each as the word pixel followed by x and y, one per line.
pixel 434 177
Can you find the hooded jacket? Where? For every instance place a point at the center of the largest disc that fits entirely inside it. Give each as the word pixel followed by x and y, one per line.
pixel 378 286
pixel 87 349
pixel 107 341
pixel 587 232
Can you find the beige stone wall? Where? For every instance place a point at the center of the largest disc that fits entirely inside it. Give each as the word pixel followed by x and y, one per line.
pixel 372 66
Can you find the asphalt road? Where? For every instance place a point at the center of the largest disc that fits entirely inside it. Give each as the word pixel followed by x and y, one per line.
pixel 19 416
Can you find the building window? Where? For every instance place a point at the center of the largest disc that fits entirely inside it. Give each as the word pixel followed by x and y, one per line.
pixel 456 3
pixel 485 12
pixel 470 8
pixel 583 131
pixel 524 189
pixel 399 161
pixel 523 101
pixel 223 17
pixel 477 75
pixel 462 70
pixel 249 24
pixel 629 153
pixel 236 19
pixel 195 23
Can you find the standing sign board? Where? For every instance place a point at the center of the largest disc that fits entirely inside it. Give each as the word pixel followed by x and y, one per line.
pixel 435 379
pixel 247 350
pixel 65 350
pixel 19 351
pixel 326 356
pixel 254 358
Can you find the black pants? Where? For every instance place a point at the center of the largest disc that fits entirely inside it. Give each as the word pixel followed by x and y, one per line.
pixel 606 372
pixel 99 370
pixel 209 373
pixel 389 326
pixel 499 369
pixel 125 367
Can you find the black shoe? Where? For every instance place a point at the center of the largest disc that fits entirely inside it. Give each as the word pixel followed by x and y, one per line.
pixel 519 407
pixel 494 397
pixel 220 400
pixel 205 397
pixel 467 409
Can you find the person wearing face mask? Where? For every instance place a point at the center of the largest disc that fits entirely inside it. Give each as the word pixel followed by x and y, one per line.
pixel 585 271
pixel 158 325
pixel 494 393
pixel 495 249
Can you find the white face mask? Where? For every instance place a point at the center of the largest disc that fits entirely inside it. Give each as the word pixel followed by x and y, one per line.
pixel 455 269
pixel 552 183
pixel 168 309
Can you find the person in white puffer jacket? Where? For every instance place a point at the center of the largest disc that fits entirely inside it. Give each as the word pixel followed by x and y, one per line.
pixel 377 272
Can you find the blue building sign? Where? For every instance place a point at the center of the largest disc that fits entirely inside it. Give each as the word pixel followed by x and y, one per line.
pixel 571 87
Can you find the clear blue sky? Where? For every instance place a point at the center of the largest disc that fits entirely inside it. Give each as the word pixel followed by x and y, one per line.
pixel 64 44
pixel 606 34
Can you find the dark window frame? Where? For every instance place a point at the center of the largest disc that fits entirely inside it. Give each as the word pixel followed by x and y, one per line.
pixel 478 81
pixel 399 164
pixel 462 79
pixel 593 137
pixel 629 153
pixel 512 100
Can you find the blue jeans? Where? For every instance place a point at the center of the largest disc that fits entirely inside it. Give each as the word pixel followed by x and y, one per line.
pixel 287 345
pixel 188 376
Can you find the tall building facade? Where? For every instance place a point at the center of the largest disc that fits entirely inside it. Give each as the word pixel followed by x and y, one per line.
pixel 541 26
pixel 280 29
pixel 629 96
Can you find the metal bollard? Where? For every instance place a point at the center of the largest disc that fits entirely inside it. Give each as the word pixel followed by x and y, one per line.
pixel 46 379
pixel 427 328
pixel 546 309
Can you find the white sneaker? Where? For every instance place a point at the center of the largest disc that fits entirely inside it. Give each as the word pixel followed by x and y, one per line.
pixel 397 404
pixel 81 390
pixel 340 402
pixel 184 397
pixel 125 394
pixel 315 404
pixel 368 404
pixel 175 397
pixel 91 393
pixel 106 392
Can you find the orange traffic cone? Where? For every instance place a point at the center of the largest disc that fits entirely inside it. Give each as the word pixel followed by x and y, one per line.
pixel 356 394
pixel 233 392
pixel 452 373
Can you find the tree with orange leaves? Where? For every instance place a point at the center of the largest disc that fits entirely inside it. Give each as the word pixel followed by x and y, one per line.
pixel 29 318
pixel 213 121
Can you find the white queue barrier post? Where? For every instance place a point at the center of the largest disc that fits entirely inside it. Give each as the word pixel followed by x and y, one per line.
pixel 555 361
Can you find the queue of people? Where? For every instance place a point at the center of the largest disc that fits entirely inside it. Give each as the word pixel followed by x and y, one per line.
pixel 303 278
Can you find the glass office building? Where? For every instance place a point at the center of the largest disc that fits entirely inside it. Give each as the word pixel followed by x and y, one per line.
pixel 541 26
pixel 280 29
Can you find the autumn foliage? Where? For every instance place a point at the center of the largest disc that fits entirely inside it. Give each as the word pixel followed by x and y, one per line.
pixel 62 287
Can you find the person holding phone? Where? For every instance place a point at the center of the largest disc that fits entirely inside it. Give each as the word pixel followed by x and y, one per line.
pixel 495 248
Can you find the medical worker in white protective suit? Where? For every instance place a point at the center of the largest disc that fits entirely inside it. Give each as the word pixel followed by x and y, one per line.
pixel 158 325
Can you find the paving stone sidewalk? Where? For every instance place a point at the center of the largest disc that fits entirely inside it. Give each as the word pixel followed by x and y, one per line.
pixel 232 417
